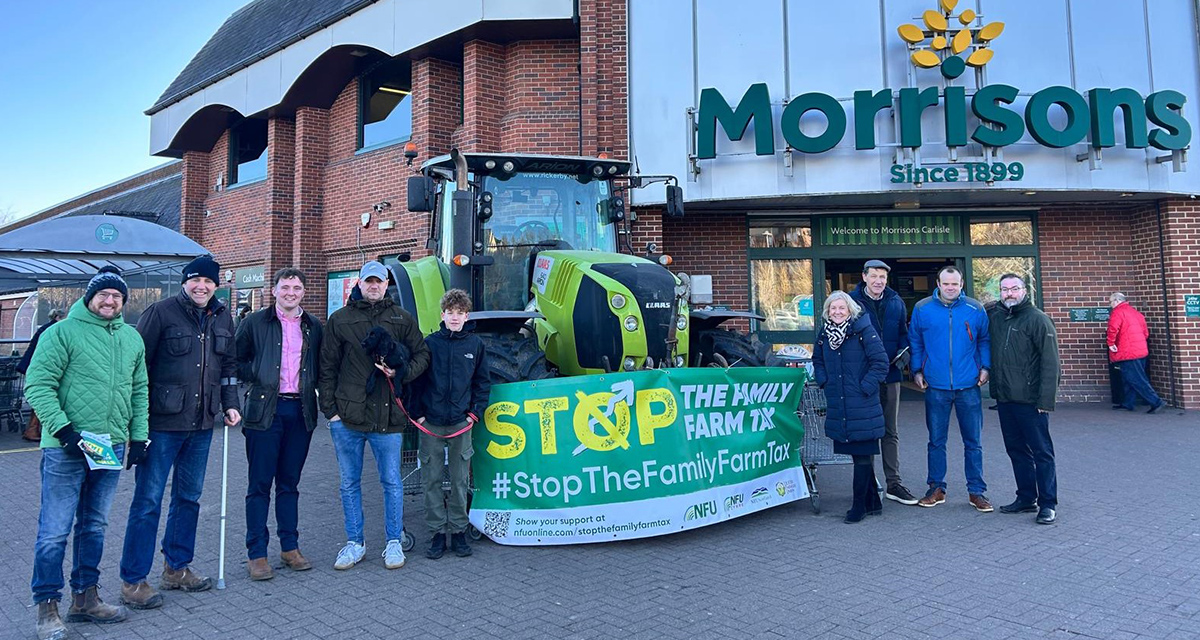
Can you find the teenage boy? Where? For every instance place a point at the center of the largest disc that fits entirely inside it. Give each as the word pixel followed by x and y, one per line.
pixel 449 400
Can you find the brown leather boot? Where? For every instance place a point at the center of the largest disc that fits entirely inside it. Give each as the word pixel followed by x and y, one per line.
pixel 88 607
pixel 259 569
pixel 295 560
pixel 140 596
pixel 184 579
pixel 49 625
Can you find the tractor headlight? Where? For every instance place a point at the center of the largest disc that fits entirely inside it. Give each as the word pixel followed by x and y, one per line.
pixel 681 323
pixel 489 165
pixel 631 323
pixel 617 301
pixel 508 166
pixel 629 364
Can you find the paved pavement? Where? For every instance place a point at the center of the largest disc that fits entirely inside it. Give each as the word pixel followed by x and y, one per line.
pixel 1123 561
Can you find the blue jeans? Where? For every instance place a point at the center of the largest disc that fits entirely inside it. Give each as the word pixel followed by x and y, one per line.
pixel 275 456
pixel 1027 440
pixel 71 493
pixel 967 406
pixel 187 452
pixel 348 445
pixel 1135 382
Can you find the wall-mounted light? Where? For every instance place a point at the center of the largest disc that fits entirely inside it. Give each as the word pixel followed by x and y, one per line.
pixel 401 92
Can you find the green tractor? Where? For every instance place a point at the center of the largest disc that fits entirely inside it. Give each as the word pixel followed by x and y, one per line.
pixel 536 241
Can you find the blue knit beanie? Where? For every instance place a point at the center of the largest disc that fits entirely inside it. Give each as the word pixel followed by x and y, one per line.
pixel 108 277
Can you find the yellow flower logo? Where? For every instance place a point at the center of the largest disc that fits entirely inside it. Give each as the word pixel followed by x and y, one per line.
pixel 945 48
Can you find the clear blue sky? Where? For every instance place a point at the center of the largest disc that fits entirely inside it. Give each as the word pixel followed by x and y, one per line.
pixel 75 79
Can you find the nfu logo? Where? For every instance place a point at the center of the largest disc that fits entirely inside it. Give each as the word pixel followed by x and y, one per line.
pixel 734 502
pixel 701 511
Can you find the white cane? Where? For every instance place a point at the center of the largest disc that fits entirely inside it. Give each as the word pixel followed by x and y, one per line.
pixel 224 493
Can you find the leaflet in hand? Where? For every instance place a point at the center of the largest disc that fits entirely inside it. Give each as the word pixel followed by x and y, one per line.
pixel 98 451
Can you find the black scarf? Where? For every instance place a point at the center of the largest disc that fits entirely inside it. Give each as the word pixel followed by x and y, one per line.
pixel 836 333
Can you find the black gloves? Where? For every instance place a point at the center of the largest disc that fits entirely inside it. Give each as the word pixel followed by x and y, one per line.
pixel 136 454
pixel 70 440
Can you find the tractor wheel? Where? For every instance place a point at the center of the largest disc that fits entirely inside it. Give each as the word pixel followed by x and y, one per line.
pixel 512 357
pixel 728 348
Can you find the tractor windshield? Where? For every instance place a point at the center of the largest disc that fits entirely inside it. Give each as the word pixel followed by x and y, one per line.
pixel 534 211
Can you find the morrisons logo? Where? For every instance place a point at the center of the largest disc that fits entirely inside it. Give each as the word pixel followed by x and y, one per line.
pixel 1155 120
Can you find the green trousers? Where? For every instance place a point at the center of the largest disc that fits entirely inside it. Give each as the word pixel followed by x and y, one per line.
pixel 446 460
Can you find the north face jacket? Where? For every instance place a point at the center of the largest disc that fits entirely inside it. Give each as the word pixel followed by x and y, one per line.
pixel 456 384
pixel 91 373
pixel 1025 367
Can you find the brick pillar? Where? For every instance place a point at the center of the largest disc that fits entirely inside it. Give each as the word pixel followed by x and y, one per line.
pixel 603 69
pixel 281 161
pixel 436 87
pixel 1181 240
pixel 195 189
pixel 483 96
pixel 311 156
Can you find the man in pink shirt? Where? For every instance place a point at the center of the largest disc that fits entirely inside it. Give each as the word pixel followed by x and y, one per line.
pixel 277 361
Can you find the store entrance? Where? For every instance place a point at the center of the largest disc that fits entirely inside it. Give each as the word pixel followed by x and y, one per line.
pixel 912 278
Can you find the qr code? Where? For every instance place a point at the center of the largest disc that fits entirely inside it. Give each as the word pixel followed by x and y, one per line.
pixel 495 524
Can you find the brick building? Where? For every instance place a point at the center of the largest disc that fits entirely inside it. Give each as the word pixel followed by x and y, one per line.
pixel 292 122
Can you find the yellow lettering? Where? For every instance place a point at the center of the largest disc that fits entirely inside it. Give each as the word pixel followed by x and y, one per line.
pixel 514 432
pixel 591 411
pixel 648 421
pixel 546 408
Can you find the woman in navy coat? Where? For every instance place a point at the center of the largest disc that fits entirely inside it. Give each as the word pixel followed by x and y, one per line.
pixel 849 363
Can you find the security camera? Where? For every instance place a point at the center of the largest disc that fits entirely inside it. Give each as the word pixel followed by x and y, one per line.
pixel 381 206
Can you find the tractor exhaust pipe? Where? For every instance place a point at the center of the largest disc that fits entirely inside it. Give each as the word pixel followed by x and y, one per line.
pixel 463 223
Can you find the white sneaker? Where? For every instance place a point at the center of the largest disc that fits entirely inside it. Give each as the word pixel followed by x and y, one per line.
pixel 393 555
pixel 350 555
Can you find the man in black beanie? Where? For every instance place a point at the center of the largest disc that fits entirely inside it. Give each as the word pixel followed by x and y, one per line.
pixel 192 366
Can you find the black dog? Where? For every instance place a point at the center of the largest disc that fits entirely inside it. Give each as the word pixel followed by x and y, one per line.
pixel 383 349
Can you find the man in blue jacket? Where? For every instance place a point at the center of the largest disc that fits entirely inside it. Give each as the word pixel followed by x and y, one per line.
pixel 951 355
pixel 890 318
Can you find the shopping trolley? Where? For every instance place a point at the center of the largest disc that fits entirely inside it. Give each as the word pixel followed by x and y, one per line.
pixel 12 394
pixel 817 449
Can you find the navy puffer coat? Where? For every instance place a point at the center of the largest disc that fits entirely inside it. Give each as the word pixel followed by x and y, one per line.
pixel 851 376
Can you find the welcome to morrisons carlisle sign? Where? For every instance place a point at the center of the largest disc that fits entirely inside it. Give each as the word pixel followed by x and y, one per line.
pixel 1000 126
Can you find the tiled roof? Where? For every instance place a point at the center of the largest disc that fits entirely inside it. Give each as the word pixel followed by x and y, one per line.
pixel 253 32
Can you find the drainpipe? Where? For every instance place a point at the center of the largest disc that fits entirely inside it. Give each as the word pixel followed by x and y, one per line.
pixel 1162 272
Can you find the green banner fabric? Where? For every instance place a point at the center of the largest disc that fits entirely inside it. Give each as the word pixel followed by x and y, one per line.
pixel 890 230
pixel 633 455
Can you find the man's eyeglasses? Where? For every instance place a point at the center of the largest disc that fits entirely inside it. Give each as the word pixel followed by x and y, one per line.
pixel 106 296
pixel 1011 289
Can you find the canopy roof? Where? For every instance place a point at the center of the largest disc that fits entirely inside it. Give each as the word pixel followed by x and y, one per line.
pixel 73 248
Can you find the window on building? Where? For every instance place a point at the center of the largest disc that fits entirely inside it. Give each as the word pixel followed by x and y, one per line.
pixel 780 235
pixel 248 151
pixel 385 104
pixel 986 272
pixel 783 292
pixel 25 320
pixel 994 231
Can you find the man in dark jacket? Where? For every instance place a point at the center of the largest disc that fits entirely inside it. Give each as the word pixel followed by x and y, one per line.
pixel 449 399
pixel 33 432
pixel 890 319
pixel 1025 373
pixel 192 367
pixel 277 349
pixel 358 416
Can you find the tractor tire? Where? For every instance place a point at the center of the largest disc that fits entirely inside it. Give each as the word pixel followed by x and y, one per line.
pixel 728 348
pixel 512 357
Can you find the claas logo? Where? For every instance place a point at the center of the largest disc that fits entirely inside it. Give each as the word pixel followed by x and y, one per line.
pixel 948 43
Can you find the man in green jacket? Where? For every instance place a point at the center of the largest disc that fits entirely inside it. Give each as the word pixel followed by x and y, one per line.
pixel 1025 374
pixel 356 392
pixel 87 378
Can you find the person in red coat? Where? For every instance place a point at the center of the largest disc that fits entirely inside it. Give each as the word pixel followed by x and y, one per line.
pixel 1127 334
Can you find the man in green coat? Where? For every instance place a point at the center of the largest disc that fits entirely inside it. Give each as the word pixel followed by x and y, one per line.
pixel 87 382
pixel 1025 374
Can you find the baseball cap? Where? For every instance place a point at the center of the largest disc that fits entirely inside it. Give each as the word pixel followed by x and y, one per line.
pixel 373 269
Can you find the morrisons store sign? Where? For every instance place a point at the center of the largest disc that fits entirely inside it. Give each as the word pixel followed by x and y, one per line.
pixel 951 42
pixel 890 230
